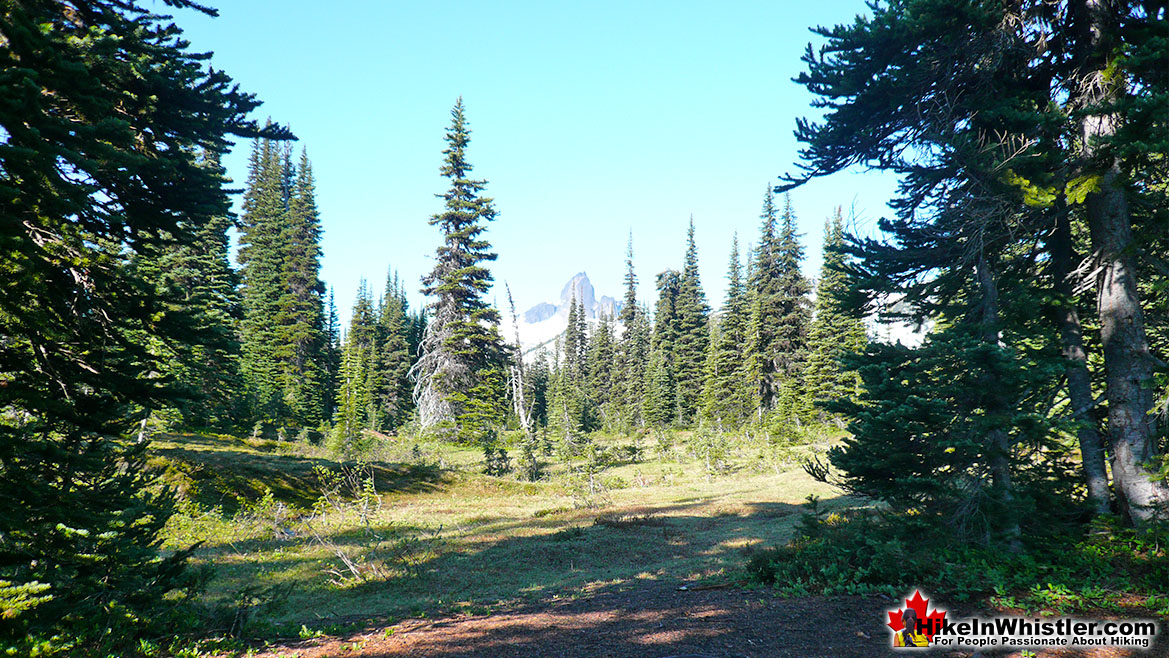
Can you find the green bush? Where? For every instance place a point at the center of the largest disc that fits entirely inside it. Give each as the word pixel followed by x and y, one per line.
pixel 867 551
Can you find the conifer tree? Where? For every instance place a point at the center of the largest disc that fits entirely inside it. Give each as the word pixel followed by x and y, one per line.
pixel 301 316
pixel 536 383
pixel 659 406
pixel 331 356
pixel 104 115
pixel 977 166
pixel 261 264
pixel 632 352
pixel 764 291
pixel 394 396
pixel 354 401
pixel 794 309
pixel 599 366
pixel 357 408
pixel 630 381
pixel 575 342
pixel 462 339
pixel 726 394
pixel 565 405
pixel 665 324
pixel 837 328
pixel 198 281
pixel 693 334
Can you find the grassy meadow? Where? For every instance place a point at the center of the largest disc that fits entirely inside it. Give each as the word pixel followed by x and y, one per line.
pixel 292 538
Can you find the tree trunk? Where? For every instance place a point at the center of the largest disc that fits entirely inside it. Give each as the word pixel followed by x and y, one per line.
pixel 998 440
pixel 1067 319
pixel 1127 363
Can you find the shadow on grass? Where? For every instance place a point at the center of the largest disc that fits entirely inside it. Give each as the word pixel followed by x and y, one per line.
pixel 510 561
pixel 233 471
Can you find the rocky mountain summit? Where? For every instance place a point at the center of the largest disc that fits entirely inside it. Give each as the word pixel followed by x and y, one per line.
pixel 545 321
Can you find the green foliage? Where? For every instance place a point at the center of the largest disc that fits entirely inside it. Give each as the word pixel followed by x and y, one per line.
pixel 392 387
pixel 836 329
pixel 110 128
pixel 780 313
pixel 659 404
pixel 920 428
pixel 712 450
pixel 196 282
pixel 462 336
pixel 727 395
pixel 691 335
pixel 864 552
pixel 285 344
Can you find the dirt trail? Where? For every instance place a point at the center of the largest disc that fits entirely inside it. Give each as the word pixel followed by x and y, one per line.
pixel 653 622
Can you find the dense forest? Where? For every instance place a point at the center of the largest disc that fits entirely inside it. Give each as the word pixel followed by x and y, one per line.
pixel 1029 230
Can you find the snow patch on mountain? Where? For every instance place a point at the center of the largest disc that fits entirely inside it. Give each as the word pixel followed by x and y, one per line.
pixel 542 323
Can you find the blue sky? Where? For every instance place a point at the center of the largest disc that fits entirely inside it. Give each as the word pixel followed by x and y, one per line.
pixel 589 120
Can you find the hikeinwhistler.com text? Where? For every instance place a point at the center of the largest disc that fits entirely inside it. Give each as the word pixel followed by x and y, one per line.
pixel 1021 632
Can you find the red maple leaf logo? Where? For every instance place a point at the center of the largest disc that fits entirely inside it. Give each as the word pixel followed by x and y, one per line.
pixel 931 623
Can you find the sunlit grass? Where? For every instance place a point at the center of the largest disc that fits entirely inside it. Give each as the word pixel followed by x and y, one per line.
pixel 450 539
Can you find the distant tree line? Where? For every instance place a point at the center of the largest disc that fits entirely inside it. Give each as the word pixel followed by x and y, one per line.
pixel 769 356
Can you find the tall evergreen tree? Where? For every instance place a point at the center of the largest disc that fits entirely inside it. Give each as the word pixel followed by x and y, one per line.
pixel 726 393
pixel 629 301
pixel 632 351
pixel 394 390
pixel 261 265
pixel 566 412
pixel 794 308
pixel 104 115
pixel 462 335
pixel 690 345
pixel 356 404
pixel 837 328
pixel 764 290
pixel 331 355
pixel 630 379
pixel 575 342
pixel 198 281
pixel 599 367
pixel 301 316
pixel 659 405
pixel 994 162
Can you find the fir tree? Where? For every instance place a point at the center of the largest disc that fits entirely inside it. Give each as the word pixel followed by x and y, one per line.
pixel 631 377
pixel 575 342
pixel 764 288
pixel 632 353
pixel 566 405
pixel 536 383
pixel 331 356
pixel 659 406
pixel 261 264
pixel 354 401
pixel 105 113
pixel 665 324
pixel 198 281
pixel 726 395
pixel 599 366
pixel 462 335
pixel 693 334
pixel 794 309
pixel 836 329
pixel 357 402
pixel 301 316
pixel 394 397
pixel 629 306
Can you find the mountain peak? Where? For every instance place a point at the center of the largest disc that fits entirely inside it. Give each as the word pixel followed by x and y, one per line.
pixel 545 320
